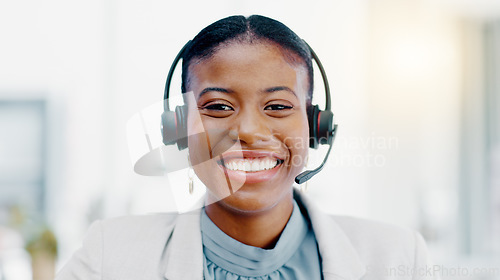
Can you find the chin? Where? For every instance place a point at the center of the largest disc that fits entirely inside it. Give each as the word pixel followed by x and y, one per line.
pixel 252 198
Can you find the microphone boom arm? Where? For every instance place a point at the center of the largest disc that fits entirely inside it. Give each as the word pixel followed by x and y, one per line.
pixel 308 174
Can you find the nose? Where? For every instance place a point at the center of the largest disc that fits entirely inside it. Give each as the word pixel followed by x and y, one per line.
pixel 251 127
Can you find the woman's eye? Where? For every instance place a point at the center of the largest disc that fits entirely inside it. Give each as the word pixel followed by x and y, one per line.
pixel 277 107
pixel 216 110
pixel 218 107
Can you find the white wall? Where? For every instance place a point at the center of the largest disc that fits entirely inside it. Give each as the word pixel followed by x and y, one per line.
pixel 55 50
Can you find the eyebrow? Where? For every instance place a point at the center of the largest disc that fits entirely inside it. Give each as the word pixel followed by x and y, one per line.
pixel 267 90
pixel 280 88
pixel 209 89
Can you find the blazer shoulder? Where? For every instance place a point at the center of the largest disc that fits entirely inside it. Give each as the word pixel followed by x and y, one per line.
pixel 137 231
pixel 122 248
pixel 362 226
pixel 383 238
pixel 140 222
pixel 127 227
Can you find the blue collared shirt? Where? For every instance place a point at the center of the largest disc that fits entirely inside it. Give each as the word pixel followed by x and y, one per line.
pixel 295 256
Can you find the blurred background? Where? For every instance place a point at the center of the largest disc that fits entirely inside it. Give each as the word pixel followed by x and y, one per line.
pixel 416 93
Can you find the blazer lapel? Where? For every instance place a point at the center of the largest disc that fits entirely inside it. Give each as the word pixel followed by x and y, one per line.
pixel 183 255
pixel 340 259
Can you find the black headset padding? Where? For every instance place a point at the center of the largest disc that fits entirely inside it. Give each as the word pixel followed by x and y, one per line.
pixel 313 125
pixel 169 127
pixel 326 130
pixel 181 117
pixel 174 127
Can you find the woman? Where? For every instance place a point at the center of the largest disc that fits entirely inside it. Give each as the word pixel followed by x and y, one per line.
pixel 253 77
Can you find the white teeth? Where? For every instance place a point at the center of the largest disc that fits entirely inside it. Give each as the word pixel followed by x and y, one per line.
pixel 260 165
pixel 255 165
pixel 265 164
pixel 251 165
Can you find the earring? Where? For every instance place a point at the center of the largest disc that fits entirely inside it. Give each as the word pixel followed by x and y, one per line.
pixel 191 183
pixel 190 177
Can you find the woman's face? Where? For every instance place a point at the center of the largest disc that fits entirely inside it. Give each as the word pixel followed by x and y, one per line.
pixel 251 101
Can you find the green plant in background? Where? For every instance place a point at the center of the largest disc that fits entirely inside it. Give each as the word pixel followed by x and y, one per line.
pixel 45 242
pixel 40 241
pixel 38 235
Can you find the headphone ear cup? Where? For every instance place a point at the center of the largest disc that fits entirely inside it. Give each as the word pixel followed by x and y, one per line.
pixel 168 127
pixel 181 117
pixel 313 126
pixel 325 127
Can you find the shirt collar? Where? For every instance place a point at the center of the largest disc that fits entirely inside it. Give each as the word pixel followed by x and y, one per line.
pixel 183 256
pixel 238 258
pixel 340 259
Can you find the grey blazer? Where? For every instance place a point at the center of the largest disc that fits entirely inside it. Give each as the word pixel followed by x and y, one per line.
pixel 168 246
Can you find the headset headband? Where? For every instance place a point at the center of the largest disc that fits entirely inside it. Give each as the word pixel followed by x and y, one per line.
pixel 166 94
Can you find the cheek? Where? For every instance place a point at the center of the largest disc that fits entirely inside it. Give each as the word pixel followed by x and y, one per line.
pixel 199 150
pixel 205 143
pixel 204 140
pixel 296 139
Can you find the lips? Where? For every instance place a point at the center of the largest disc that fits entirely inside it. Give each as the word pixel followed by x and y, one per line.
pixel 250 166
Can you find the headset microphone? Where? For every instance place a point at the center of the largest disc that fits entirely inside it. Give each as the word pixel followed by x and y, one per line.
pixel 308 174
pixel 322 130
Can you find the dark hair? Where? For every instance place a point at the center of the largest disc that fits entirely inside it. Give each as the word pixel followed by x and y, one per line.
pixel 240 29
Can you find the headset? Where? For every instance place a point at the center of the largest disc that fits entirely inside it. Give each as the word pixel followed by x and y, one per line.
pixel 322 129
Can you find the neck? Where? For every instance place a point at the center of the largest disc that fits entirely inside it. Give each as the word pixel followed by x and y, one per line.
pixel 255 228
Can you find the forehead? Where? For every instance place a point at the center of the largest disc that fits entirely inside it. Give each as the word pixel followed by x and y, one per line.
pixel 251 64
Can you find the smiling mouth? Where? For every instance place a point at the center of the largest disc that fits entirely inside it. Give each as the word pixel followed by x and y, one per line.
pixel 250 164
